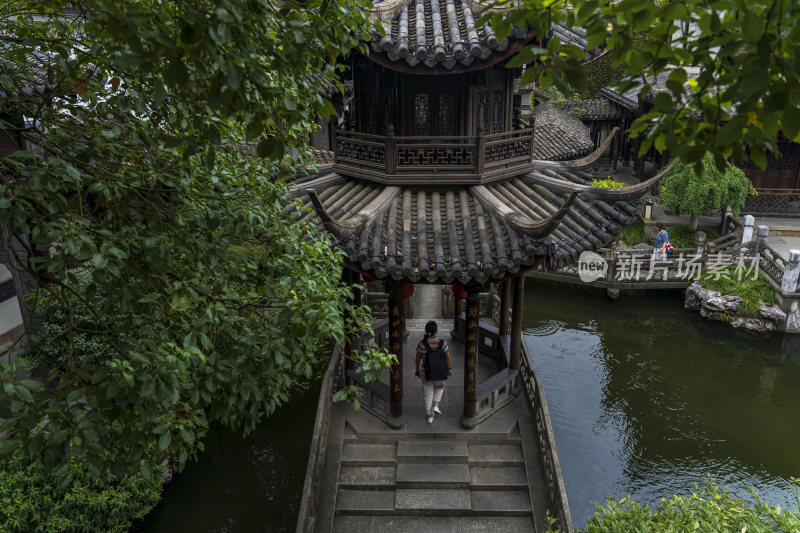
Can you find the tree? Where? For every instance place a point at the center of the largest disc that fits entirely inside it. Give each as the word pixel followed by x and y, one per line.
pixel 749 88
pixel 710 508
pixel 152 231
pixel 684 190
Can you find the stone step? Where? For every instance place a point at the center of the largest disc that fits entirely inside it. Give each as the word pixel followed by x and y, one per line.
pixel 501 502
pixel 498 478
pixel 365 502
pixel 365 427
pixel 432 451
pixel 426 475
pixel 495 455
pixel 354 454
pixel 432 501
pixel 432 524
pixel 367 477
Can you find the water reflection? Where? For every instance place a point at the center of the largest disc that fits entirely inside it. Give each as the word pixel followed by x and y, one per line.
pixel 647 399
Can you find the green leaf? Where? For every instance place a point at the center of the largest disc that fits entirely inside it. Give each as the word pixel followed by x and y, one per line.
pixel 164 441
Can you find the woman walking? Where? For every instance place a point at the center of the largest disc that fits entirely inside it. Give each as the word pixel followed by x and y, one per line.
pixel 432 367
pixel 661 246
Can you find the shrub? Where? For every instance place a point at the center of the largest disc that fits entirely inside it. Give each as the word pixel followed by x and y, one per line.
pixel 608 183
pixel 709 509
pixel 753 292
pixel 74 501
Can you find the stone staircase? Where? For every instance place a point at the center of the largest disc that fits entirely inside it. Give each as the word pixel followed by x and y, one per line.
pixel 431 481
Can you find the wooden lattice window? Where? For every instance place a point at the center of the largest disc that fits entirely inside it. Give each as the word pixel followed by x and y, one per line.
pixel 422 110
pixel 447 113
pixel 483 109
pixel 498 99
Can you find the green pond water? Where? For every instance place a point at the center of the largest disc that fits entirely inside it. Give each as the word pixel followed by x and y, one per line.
pixel 645 399
pixel 243 484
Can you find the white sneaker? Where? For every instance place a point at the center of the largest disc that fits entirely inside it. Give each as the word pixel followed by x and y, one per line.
pixel 436 410
pixel 430 419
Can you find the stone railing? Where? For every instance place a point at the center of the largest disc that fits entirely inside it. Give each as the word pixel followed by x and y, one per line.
pixel 557 493
pixel 410 160
pixel 306 517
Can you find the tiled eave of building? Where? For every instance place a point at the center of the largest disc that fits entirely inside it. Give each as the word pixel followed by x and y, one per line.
pixel 460 234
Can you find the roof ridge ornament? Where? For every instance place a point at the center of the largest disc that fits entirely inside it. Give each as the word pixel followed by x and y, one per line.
pixel 349 227
pixel 518 221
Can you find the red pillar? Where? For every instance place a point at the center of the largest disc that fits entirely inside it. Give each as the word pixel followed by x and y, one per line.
pixel 396 320
pixel 516 320
pixel 471 343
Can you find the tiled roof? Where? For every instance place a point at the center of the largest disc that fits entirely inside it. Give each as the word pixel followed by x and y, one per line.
pixel 463 234
pixel 559 135
pixel 438 32
pixel 630 98
pixel 593 109
pixel 576 36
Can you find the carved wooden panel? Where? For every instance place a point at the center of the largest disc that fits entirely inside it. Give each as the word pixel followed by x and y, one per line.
pixel 435 156
pixel 422 114
pixel 498 99
pixel 447 111
pixel 360 150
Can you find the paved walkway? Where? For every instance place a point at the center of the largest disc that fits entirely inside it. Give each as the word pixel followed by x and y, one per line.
pixel 435 477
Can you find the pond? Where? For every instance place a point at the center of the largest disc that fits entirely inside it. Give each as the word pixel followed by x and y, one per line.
pixel 243 484
pixel 647 399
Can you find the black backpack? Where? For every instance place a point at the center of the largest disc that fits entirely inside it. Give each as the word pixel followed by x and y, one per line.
pixel 435 362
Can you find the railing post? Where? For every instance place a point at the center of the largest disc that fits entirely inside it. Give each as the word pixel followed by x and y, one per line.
pixel 747 231
pixel 700 246
pixel 761 238
pixel 390 146
pixel 792 273
pixel 480 150
pixel 726 216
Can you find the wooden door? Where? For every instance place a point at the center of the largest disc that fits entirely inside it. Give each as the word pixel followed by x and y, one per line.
pixel 433 108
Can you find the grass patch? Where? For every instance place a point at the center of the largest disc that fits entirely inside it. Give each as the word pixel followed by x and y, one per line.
pixel 753 292
pixel 683 236
pixel 633 234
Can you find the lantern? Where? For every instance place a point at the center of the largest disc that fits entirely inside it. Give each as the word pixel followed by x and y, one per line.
pixel 647 212
pixel 459 292
pixel 408 291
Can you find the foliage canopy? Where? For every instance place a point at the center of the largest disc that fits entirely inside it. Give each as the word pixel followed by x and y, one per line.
pixel 157 235
pixel 684 190
pixel 747 92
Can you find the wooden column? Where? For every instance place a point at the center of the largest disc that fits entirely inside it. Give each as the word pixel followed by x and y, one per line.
pixel 471 343
pixel 396 347
pixel 505 301
pixel 516 320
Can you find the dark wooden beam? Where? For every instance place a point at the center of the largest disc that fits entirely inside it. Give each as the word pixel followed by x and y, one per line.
pixel 471 344
pixel 516 320
pixel 505 301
